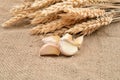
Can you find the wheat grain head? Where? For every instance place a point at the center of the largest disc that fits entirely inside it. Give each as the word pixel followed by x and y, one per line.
pixel 44 15
pixel 14 20
pixel 48 27
pixel 88 27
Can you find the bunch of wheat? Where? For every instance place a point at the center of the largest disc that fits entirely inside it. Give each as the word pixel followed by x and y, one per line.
pixel 58 17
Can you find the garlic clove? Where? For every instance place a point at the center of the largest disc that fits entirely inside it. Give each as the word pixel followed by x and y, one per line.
pixel 67 37
pixel 79 40
pixel 67 48
pixel 73 42
pixel 51 39
pixel 49 49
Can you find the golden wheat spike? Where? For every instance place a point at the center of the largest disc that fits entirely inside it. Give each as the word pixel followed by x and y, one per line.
pixel 42 15
pixel 48 27
pixel 52 26
pixel 53 9
pixel 98 1
pixel 87 28
pixel 57 5
pixel 14 20
pixel 47 10
pixel 48 14
pixel 81 13
pixel 34 6
pixel 44 3
pixel 25 10
pixel 82 3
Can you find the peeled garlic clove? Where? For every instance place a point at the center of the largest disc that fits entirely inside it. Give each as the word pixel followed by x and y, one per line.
pixel 73 42
pixel 51 39
pixel 67 37
pixel 67 48
pixel 49 49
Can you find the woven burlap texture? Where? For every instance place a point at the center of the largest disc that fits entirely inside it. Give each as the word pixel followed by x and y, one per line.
pixel 98 59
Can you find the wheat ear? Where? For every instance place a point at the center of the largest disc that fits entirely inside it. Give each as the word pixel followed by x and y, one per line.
pixel 51 27
pixel 77 14
pixel 48 14
pixel 52 7
pixel 14 20
pixel 48 27
pixel 98 1
pixel 82 3
pixel 44 3
pixel 87 28
pixel 43 15
pixel 34 6
pixel 58 7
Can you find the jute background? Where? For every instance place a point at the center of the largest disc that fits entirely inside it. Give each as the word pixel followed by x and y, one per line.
pixel 98 59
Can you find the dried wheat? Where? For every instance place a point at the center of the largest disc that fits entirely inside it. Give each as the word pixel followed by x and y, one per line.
pixel 34 6
pixel 56 8
pixel 87 28
pixel 52 26
pixel 44 3
pixel 14 20
pixel 81 13
pixel 59 7
pixel 98 1
pixel 43 20
pixel 44 15
pixel 48 27
pixel 82 3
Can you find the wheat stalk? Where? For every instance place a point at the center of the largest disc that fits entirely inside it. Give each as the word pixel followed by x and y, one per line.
pixel 59 7
pixel 87 28
pixel 34 6
pixel 44 3
pixel 48 10
pixel 83 12
pixel 48 27
pixel 98 1
pixel 14 20
pixel 38 4
pixel 64 3
pixel 44 15
pixel 74 14
pixel 54 9
pixel 82 3
pixel 52 26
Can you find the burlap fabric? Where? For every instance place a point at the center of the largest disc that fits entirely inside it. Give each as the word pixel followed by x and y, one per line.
pixel 98 59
